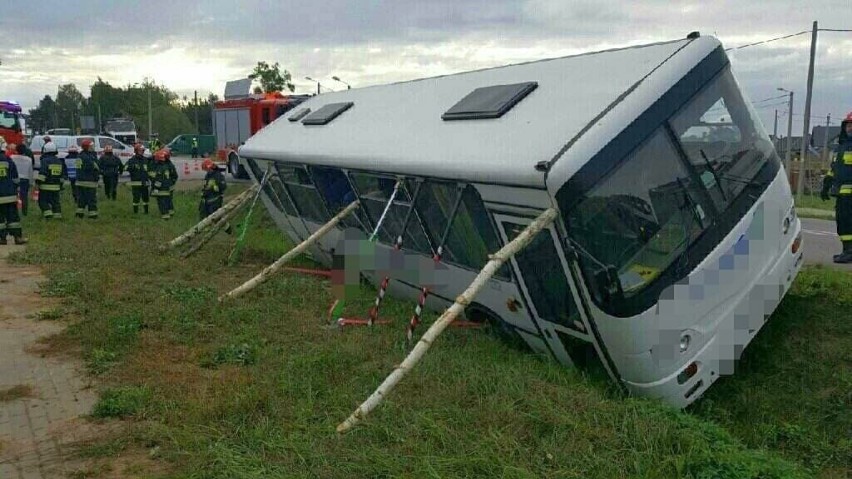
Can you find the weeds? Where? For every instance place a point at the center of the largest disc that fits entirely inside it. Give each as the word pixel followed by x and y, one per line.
pixel 121 402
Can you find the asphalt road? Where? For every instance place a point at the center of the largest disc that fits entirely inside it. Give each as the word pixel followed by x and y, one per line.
pixel 821 242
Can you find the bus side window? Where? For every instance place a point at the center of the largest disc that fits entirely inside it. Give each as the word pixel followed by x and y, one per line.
pixel 308 201
pixel 264 116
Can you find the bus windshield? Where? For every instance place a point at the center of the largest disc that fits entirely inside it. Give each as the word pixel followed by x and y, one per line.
pixel 10 120
pixel 696 174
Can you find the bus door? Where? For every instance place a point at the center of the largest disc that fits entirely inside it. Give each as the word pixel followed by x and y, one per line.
pixel 551 297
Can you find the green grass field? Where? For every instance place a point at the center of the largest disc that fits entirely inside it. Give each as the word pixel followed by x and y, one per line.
pixel 255 389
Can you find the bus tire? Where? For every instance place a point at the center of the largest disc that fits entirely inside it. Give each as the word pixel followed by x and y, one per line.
pixel 237 170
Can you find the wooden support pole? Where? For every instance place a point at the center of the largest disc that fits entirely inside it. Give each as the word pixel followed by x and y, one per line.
pixel 495 262
pixel 280 262
pixel 211 231
pixel 210 220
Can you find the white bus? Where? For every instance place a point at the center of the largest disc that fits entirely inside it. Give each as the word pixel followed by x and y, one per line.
pixel 676 237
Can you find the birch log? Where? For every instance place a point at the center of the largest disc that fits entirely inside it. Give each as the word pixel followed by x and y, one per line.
pixel 211 231
pixel 496 260
pixel 208 221
pixel 280 262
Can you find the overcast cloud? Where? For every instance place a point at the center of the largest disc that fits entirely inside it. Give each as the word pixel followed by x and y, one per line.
pixel 187 45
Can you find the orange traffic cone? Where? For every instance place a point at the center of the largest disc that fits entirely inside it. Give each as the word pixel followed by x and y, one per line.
pixel 35 194
pixel 197 167
pixel 186 169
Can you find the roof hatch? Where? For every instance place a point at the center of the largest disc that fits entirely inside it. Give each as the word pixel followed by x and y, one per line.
pixel 327 113
pixel 489 101
pixel 299 114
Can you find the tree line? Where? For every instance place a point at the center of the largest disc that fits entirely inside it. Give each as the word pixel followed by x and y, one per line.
pixel 171 114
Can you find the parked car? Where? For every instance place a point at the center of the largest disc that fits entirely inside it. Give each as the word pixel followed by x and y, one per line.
pixel 63 142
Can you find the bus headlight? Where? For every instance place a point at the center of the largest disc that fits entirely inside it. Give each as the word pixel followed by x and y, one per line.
pixel 684 343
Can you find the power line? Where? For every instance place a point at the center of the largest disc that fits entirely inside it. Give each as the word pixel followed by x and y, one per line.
pixel 832 30
pixel 771 98
pixel 768 41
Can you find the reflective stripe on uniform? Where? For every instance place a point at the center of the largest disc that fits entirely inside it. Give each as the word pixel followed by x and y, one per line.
pixel 47 214
pixel 49 187
pixel 4 200
pixel 134 183
pixel 13 226
pixel 87 184
pixel 847 158
pixel 845 237
pixel 213 200
pixel 159 193
pixel 845 190
pixel 40 177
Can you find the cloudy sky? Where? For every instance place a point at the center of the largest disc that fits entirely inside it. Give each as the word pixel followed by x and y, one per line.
pixel 192 45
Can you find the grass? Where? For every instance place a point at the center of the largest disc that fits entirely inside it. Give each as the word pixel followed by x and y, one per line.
pixel 814 202
pixel 254 389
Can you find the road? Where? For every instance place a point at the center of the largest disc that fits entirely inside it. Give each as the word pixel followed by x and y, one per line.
pixel 821 242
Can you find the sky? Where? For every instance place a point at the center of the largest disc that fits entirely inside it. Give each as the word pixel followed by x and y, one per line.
pixel 193 45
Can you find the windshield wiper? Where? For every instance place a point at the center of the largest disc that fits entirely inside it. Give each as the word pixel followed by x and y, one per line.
pixel 715 175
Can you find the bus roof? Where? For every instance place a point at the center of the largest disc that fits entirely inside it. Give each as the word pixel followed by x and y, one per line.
pixel 398 128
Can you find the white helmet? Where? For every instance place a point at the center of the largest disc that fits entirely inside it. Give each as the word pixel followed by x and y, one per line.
pixel 49 147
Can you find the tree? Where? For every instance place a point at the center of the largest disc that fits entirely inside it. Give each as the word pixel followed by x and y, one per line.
pixel 271 78
pixel 42 117
pixel 69 103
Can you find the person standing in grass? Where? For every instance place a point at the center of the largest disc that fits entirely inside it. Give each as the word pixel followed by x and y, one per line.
pixel 24 164
pixel 174 175
pixel 212 191
pixel 71 160
pixel 88 174
pixel 137 167
pixel 838 183
pixel 10 222
pixel 111 169
pixel 49 182
pixel 162 181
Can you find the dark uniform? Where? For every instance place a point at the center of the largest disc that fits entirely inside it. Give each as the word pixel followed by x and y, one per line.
pixel 163 177
pixel 88 174
pixel 111 169
pixel 49 182
pixel 174 175
pixel 838 183
pixel 212 192
pixel 137 167
pixel 195 147
pixel 71 160
pixel 10 222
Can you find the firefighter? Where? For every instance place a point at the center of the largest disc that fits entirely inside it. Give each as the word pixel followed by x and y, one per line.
pixel 10 222
pixel 137 167
pixel 24 164
pixel 838 183
pixel 49 182
pixel 71 160
pixel 174 174
pixel 162 181
pixel 212 191
pixel 88 174
pixel 194 147
pixel 111 169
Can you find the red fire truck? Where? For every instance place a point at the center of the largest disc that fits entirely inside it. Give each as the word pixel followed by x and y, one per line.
pixel 238 117
pixel 11 123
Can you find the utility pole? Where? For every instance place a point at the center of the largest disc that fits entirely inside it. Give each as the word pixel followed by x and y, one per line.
pixel 195 107
pixel 150 122
pixel 825 139
pixel 788 152
pixel 100 120
pixel 775 130
pixel 801 183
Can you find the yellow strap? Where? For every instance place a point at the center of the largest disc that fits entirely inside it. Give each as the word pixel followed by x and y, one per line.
pixel 845 237
pixel 87 184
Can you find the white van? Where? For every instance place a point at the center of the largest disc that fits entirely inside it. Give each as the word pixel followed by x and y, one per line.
pixel 63 142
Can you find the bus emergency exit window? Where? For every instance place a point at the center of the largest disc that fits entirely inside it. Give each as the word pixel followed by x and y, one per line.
pixel 299 114
pixel 489 101
pixel 327 113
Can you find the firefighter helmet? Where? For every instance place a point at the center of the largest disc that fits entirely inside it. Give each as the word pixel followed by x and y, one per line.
pixel 49 147
pixel 138 147
pixel 208 165
pixel 73 148
pixel 86 144
pixel 160 156
pixel 848 117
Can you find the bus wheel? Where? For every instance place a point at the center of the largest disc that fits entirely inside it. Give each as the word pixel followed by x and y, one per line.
pixel 236 169
pixel 478 313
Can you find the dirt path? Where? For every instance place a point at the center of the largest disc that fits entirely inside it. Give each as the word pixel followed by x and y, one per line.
pixel 42 398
